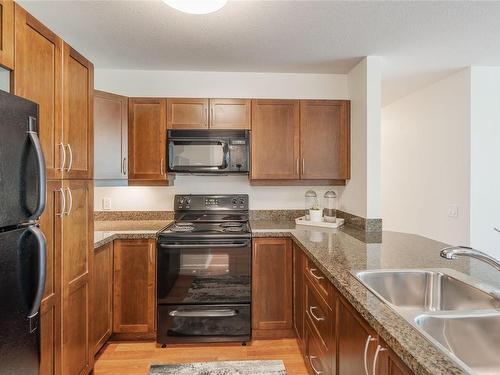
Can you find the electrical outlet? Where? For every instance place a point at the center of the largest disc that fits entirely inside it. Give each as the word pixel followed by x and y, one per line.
pixel 106 203
pixel 452 210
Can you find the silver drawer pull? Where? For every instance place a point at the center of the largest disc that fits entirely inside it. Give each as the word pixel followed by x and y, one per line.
pixel 367 344
pixel 311 311
pixel 203 313
pixel 311 358
pixel 311 271
pixel 63 156
pixel 70 163
pixel 375 359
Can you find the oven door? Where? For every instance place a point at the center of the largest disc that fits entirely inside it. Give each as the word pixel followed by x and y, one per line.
pixel 202 155
pixel 210 271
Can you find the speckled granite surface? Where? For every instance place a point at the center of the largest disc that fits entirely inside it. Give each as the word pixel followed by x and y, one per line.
pixel 337 253
pixel 107 231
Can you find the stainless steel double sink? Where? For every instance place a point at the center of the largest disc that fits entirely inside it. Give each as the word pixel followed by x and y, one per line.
pixel 459 318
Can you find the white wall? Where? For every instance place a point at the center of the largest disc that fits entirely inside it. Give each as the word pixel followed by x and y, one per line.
pixel 4 79
pixel 161 198
pixel 221 84
pixel 214 84
pixel 426 161
pixel 485 159
pixel 361 195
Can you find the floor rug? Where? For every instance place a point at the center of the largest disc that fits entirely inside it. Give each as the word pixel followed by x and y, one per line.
pixel 221 368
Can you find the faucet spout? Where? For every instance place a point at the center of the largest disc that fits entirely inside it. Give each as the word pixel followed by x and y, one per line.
pixel 463 251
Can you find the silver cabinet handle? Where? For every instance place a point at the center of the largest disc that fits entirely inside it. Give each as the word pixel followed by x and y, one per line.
pixel 70 163
pixel 311 271
pixel 298 167
pixel 311 311
pixel 63 203
pixel 70 198
pixel 124 166
pixel 375 359
pixel 63 156
pixel 204 313
pixel 311 358
pixel 162 167
pixel 303 165
pixel 369 339
pixel 151 253
pixel 206 117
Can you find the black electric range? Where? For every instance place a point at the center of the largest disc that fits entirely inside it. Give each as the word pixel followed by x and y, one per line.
pixel 204 263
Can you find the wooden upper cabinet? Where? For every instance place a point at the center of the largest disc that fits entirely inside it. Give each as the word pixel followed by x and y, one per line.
pixel 77 257
pixel 275 139
pixel 324 139
pixel 187 113
pixel 37 77
pixel 7 34
pixel 78 132
pixel 134 286
pixel 272 292
pixel 110 136
pixel 147 140
pixel 230 113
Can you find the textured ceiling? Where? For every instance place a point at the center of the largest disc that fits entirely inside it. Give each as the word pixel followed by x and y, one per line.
pixel 418 41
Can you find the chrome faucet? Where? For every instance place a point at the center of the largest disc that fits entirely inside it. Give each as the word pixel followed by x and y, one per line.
pixel 457 251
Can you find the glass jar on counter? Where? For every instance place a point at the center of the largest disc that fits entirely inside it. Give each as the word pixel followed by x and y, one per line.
pixel 310 201
pixel 330 210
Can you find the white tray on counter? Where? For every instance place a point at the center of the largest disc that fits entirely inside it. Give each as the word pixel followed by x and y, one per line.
pixel 323 224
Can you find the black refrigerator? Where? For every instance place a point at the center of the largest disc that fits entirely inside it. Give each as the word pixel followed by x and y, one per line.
pixel 22 243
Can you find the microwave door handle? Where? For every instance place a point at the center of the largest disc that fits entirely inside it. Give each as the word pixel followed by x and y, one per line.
pixel 225 158
pixel 204 246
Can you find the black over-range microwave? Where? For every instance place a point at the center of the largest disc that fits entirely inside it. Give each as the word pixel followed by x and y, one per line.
pixel 208 151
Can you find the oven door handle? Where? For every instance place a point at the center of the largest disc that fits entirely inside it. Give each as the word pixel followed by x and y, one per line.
pixel 204 313
pixel 204 245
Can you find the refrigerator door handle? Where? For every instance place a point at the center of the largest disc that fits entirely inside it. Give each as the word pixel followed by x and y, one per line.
pixel 40 161
pixel 42 247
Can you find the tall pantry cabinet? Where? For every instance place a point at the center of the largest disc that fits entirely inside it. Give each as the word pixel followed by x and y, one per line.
pixel 60 80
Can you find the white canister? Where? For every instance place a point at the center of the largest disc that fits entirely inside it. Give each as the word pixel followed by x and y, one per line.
pixel 315 215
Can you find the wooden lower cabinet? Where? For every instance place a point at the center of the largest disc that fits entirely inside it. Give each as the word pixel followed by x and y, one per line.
pixel 298 293
pixel 102 301
pixel 388 362
pixel 134 287
pixel 272 288
pixel 77 257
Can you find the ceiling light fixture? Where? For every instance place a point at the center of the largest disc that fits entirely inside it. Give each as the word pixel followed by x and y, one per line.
pixel 196 6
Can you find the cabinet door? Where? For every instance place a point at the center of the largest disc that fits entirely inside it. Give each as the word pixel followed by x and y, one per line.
pixel 78 132
pixel 134 286
pixel 275 139
pixel 298 292
pixel 37 77
pixel 147 140
pixel 77 255
pixel 355 339
pixel 102 300
pixel 187 113
pixel 110 136
pixel 388 363
pixel 230 113
pixel 272 285
pixel 7 34
pixel 50 309
pixel 324 139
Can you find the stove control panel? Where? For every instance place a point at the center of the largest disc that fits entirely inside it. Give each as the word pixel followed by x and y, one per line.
pixel 211 202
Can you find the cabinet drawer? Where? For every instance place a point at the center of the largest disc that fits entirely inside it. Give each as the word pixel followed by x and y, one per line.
pixel 320 282
pixel 320 315
pixel 318 360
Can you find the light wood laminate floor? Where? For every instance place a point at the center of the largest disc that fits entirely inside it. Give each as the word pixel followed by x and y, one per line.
pixel 125 358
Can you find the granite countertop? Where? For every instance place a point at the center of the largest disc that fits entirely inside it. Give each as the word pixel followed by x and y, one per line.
pixel 339 252
pixel 107 231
